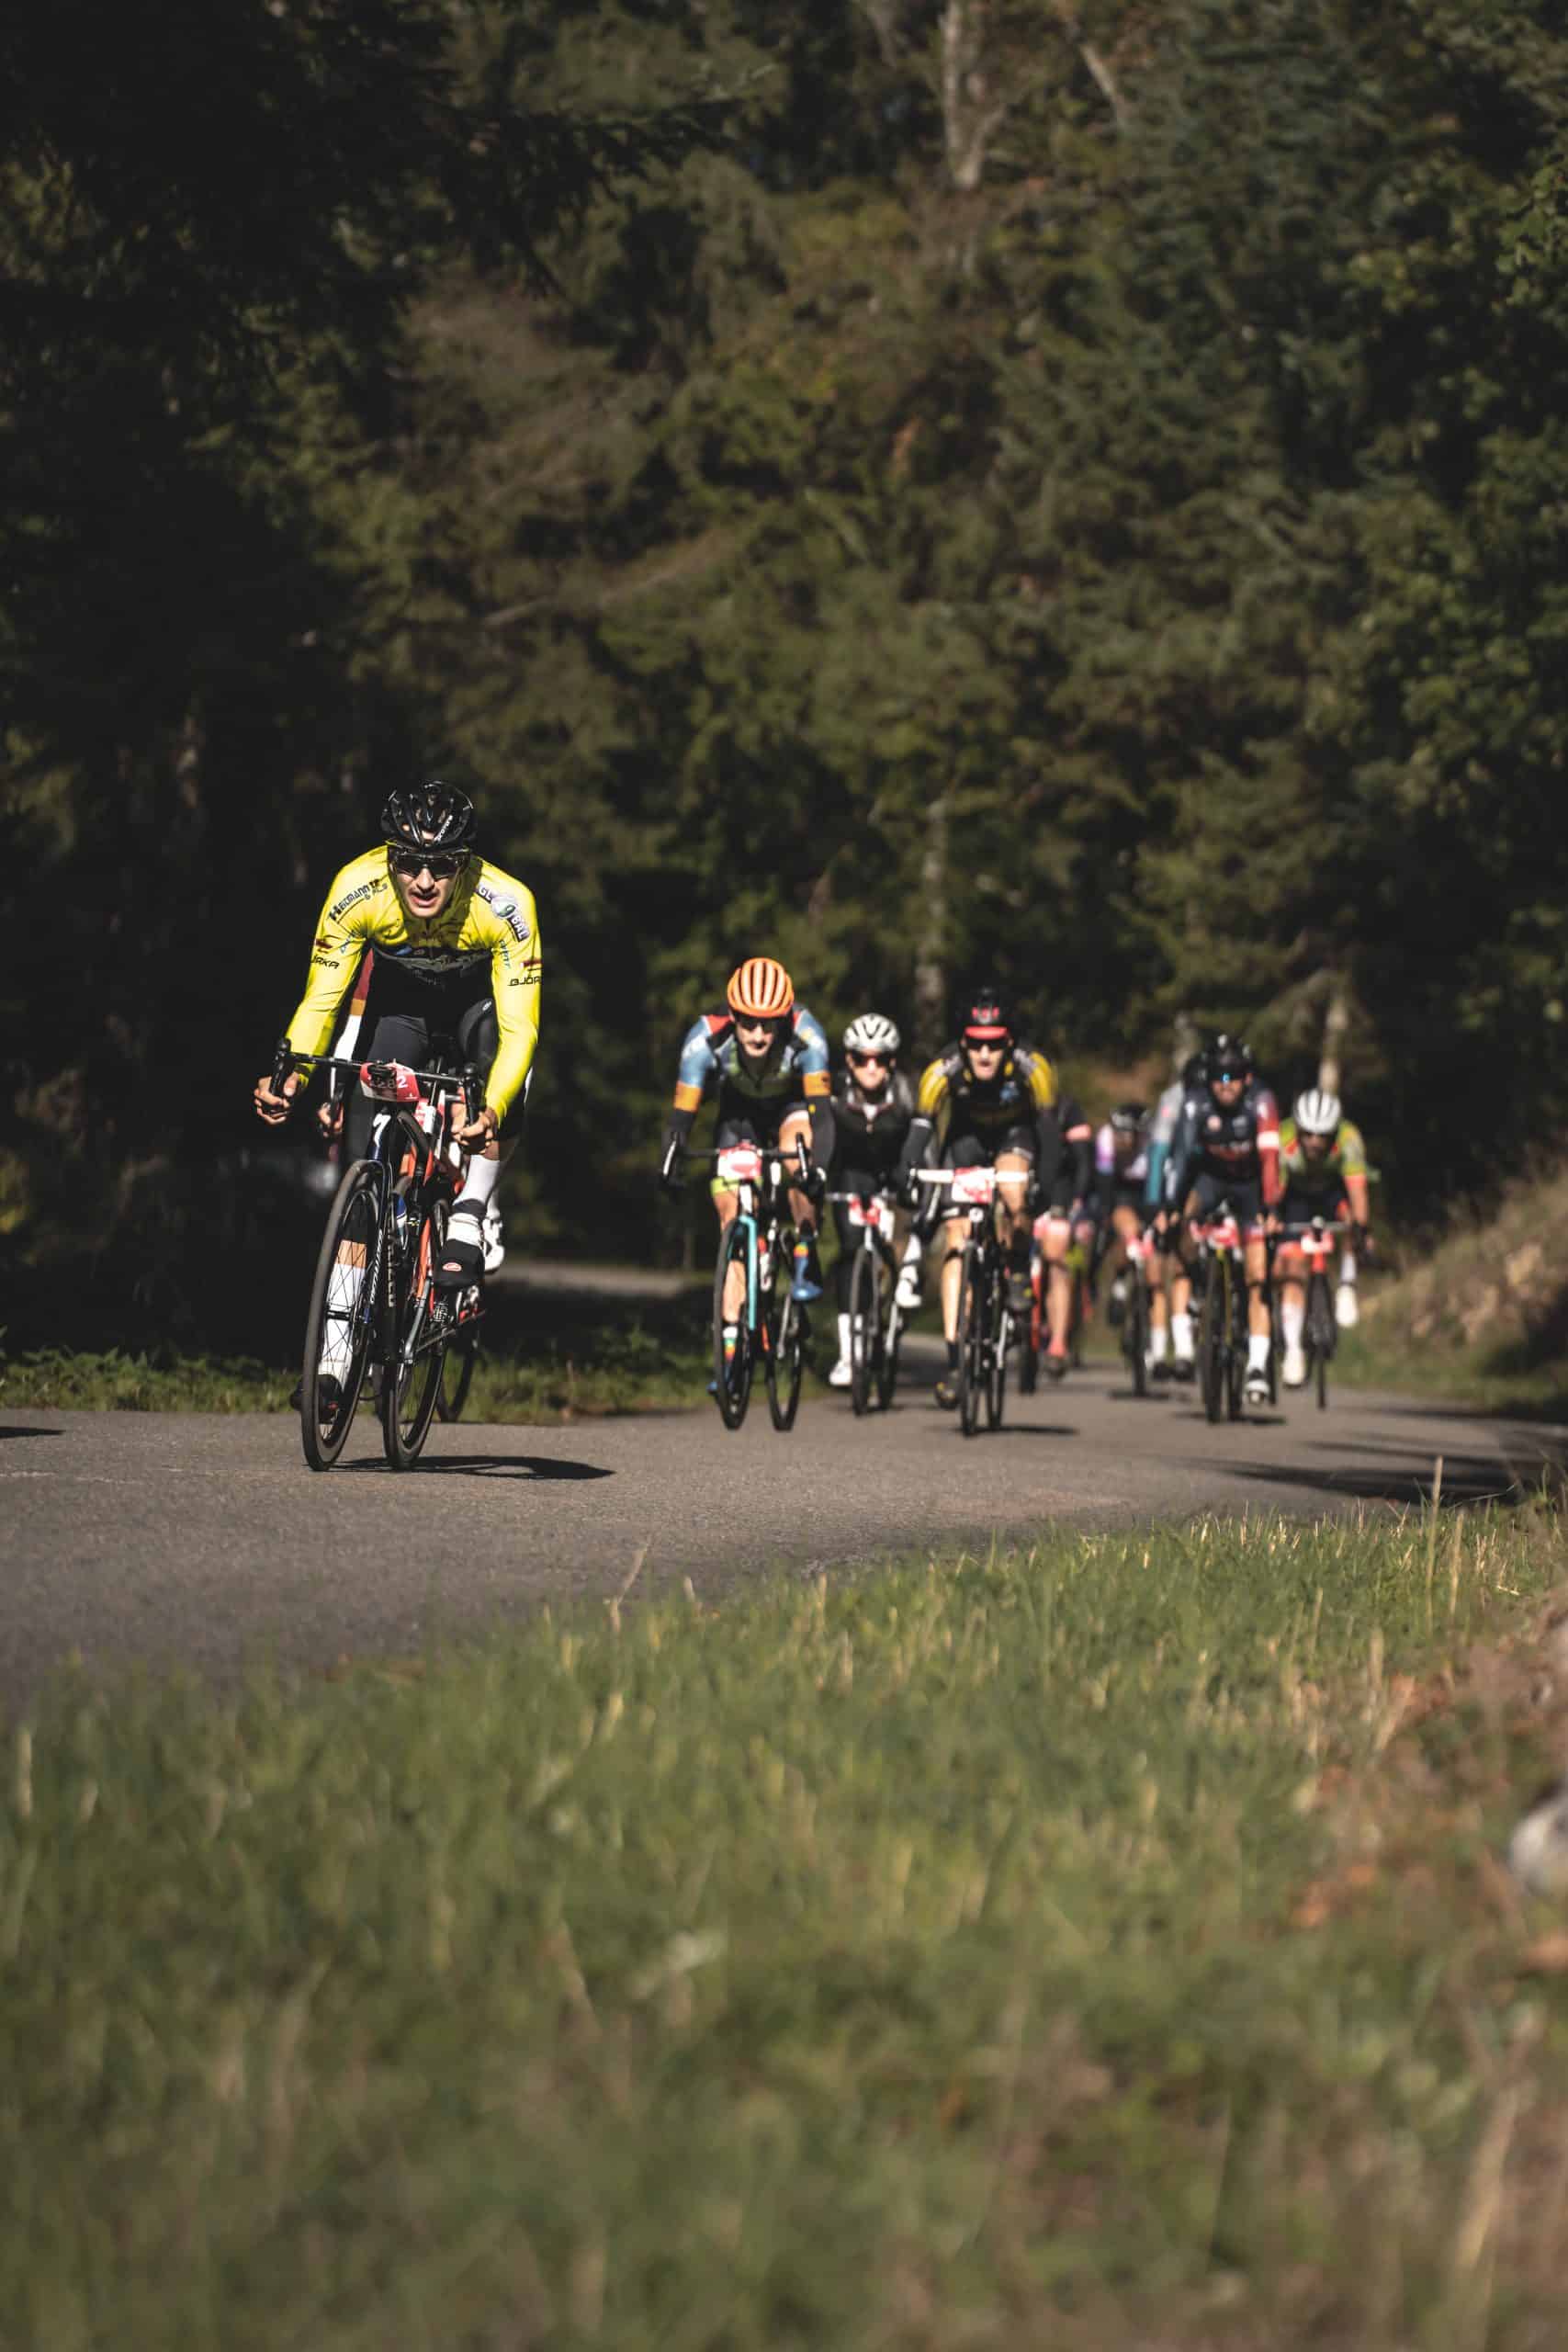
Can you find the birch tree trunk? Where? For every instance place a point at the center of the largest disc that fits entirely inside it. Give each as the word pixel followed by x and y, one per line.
pixel 930 944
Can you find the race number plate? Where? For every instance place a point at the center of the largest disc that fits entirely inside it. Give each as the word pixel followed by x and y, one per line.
pixel 741 1164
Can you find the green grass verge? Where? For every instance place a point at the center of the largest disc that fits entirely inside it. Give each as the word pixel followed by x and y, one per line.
pixel 632 1372
pixel 1098 1944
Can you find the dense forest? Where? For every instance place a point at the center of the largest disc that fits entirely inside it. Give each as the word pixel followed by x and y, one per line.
pixel 907 485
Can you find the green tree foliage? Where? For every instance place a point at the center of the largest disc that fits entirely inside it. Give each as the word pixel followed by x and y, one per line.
pixel 1131 560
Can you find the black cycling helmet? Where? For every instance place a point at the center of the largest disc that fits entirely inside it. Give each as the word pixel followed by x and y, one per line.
pixel 987 1017
pixel 431 815
pixel 1228 1057
pixel 1129 1118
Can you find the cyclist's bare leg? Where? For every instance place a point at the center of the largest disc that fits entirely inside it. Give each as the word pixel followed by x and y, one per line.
pixel 954 1234
pixel 1255 1260
pixel 794 1132
pixel 728 1203
pixel 1054 1242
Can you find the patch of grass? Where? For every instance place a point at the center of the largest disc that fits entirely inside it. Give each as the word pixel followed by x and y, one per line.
pixel 1092 1944
pixel 548 1377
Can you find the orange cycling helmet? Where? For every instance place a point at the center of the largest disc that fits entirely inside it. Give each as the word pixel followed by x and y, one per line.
pixel 760 990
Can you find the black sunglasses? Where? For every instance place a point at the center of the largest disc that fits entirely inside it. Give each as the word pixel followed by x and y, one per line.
pixel 442 863
pixel 862 1061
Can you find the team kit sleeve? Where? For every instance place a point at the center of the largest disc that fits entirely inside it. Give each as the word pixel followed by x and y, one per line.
pixel 342 937
pixel 1269 1149
pixel 510 928
pixel 697 1066
pixel 817 1083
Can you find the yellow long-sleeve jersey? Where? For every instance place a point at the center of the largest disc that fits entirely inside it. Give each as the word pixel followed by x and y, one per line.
pixel 490 919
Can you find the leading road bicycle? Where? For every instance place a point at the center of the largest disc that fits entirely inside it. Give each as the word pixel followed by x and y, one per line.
pixel 375 1299
pixel 875 1316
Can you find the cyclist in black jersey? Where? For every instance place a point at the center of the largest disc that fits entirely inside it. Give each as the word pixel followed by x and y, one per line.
pixel 873 1104
pixel 988 1101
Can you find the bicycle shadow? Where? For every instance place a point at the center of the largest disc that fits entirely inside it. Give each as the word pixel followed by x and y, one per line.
pixel 1467 1478
pixel 538 1466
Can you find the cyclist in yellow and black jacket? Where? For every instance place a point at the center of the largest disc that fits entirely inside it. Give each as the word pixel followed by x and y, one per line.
pixel 455 943
pixel 988 1101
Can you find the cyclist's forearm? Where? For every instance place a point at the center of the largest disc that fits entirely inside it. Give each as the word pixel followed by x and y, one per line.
pixel 1359 1197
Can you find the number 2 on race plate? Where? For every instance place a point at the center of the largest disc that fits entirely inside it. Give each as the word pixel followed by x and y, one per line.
pixel 741 1164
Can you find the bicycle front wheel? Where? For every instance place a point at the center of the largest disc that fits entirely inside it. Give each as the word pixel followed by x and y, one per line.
pixel 865 1327
pixel 1213 1337
pixel 971 1338
pixel 732 1373
pixel 785 1343
pixel 887 1358
pixel 1320 1335
pixel 410 1382
pixel 342 1319
pixel 1235 1357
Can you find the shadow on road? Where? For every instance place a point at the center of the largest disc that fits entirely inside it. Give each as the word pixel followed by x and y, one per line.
pixel 488 1466
pixel 9 1431
pixel 1467 1478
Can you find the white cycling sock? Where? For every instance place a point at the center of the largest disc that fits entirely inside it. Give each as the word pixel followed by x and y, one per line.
pixel 1347 1265
pixel 1257 1352
pixel 1292 1321
pixel 843 1338
pixel 1181 1334
pixel 1157 1336
pixel 479 1185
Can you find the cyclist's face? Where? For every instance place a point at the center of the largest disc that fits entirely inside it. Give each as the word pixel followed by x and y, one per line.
pixel 755 1038
pixel 1227 1091
pixel 871 1071
pixel 984 1054
pixel 1315 1147
pixel 423 888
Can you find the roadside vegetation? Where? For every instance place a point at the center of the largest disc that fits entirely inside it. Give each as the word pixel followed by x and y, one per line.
pixel 1098 1943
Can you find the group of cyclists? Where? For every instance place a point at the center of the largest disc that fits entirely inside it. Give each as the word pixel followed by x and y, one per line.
pixel 440 948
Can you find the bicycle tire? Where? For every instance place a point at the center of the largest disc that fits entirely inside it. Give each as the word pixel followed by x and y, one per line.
pixel 409 1391
pixel 357 1204
pixel 732 1381
pixel 1136 1334
pixel 1236 1359
pixel 1076 1319
pixel 888 1361
pixel 997 1336
pixel 971 1338
pixel 1212 1339
pixel 1318 1324
pixel 865 1327
pixel 783 1358
pixel 1034 1336
pixel 457 1375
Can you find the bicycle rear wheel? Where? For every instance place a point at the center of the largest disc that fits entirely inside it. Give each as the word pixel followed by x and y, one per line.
pixel 1320 1335
pixel 786 1344
pixel 732 1378
pixel 865 1327
pixel 456 1374
pixel 410 1382
pixel 1212 1336
pixel 340 1323
pixel 971 1338
pixel 888 1358
pixel 997 1331
pixel 1135 1333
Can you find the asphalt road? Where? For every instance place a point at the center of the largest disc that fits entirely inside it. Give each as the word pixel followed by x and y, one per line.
pixel 203 1541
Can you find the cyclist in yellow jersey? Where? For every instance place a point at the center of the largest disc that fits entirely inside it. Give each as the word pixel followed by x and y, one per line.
pixel 457 949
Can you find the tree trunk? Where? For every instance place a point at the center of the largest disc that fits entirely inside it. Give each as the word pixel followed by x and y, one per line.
pixel 1335 1021
pixel 931 947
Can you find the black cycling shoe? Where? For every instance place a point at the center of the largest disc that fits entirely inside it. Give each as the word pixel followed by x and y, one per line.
pixel 1161 1370
pixel 946 1392
pixel 1054 1367
pixel 1184 1368
pixel 329 1395
pixel 463 1251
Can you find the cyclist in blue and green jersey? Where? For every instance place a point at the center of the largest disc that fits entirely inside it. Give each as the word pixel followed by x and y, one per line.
pixel 769 1059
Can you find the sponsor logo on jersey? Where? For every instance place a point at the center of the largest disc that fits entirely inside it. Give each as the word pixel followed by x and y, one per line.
pixel 353 897
pixel 506 910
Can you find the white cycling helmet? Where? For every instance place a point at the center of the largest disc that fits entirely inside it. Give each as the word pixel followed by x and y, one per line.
pixel 872 1033
pixel 1317 1113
